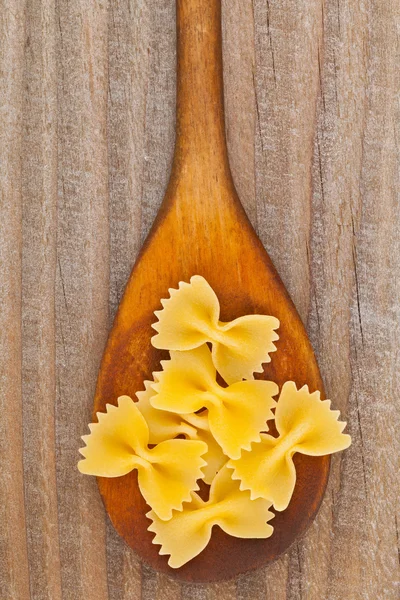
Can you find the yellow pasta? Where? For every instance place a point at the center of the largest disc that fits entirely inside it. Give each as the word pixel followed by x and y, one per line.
pixel 190 318
pixel 118 443
pixel 186 426
pixel 162 425
pixel 305 424
pixel 188 532
pixel 236 414
pixel 165 425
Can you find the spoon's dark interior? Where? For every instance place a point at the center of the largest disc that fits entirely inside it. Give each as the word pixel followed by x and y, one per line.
pixel 202 229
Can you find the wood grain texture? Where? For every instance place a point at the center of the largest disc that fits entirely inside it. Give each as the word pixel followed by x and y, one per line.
pixel 39 256
pixel 82 281
pixel 320 163
pixel 14 579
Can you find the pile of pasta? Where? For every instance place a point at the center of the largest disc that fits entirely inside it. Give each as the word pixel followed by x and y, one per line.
pixel 188 426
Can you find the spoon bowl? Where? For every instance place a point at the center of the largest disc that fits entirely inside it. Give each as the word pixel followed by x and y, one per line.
pixel 202 229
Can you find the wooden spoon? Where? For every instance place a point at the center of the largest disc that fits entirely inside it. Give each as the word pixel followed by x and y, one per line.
pixel 202 229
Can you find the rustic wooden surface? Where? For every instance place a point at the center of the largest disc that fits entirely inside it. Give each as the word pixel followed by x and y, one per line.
pixel 86 138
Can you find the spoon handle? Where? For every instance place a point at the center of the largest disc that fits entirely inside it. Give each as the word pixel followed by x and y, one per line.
pixel 200 142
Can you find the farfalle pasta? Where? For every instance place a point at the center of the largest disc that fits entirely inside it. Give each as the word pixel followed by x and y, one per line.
pixel 118 443
pixel 305 424
pixel 190 318
pixel 162 425
pixel 186 426
pixel 236 414
pixel 165 425
pixel 188 532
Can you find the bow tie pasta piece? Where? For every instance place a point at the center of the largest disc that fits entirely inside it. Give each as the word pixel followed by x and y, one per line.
pixel 243 345
pixel 214 457
pixel 118 443
pixel 198 428
pixel 187 316
pixel 162 425
pixel 188 532
pixel 165 425
pixel 305 424
pixel 190 318
pixel 236 414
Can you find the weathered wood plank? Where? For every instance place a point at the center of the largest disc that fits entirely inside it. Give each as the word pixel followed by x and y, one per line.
pixel 39 185
pixel 357 292
pixel 128 54
pixel 287 49
pixel 14 570
pixel 160 109
pixel 82 283
pixel 355 177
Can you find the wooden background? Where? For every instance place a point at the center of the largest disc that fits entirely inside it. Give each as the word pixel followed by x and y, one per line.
pixel 86 140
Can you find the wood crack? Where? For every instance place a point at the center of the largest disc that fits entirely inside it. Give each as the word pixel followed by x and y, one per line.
pixel 320 170
pixel 397 537
pixel 63 286
pixel 320 80
pixel 338 18
pixel 270 42
pixel 258 114
pixel 362 445
pixel 354 255
pixel 300 571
